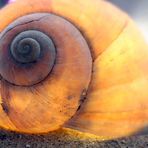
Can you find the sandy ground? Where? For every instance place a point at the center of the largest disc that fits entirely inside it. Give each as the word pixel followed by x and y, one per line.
pixel 14 140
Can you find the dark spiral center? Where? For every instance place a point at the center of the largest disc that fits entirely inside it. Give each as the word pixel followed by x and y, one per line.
pixel 27 50
pixel 27 56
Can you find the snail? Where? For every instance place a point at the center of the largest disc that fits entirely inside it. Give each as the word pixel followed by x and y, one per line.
pixel 76 65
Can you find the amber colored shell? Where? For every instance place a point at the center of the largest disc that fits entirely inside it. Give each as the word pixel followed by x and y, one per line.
pixel 116 101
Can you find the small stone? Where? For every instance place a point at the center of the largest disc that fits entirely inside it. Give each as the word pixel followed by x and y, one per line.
pixel 28 146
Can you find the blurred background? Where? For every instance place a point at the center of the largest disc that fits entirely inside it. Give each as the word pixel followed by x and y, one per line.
pixel 137 9
pixel 3 3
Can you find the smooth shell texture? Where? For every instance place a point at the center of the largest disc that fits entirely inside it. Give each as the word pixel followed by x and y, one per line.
pixel 49 104
pixel 116 102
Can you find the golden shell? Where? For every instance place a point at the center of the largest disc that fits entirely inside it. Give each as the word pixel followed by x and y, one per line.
pixel 90 77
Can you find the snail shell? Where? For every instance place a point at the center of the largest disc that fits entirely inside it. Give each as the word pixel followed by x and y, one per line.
pixel 73 65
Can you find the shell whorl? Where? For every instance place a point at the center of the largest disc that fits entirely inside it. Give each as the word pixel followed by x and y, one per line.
pixel 22 54
pixel 43 53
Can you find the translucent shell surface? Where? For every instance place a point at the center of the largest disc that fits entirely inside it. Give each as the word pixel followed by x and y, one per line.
pixel 98 83
pixel 34 98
